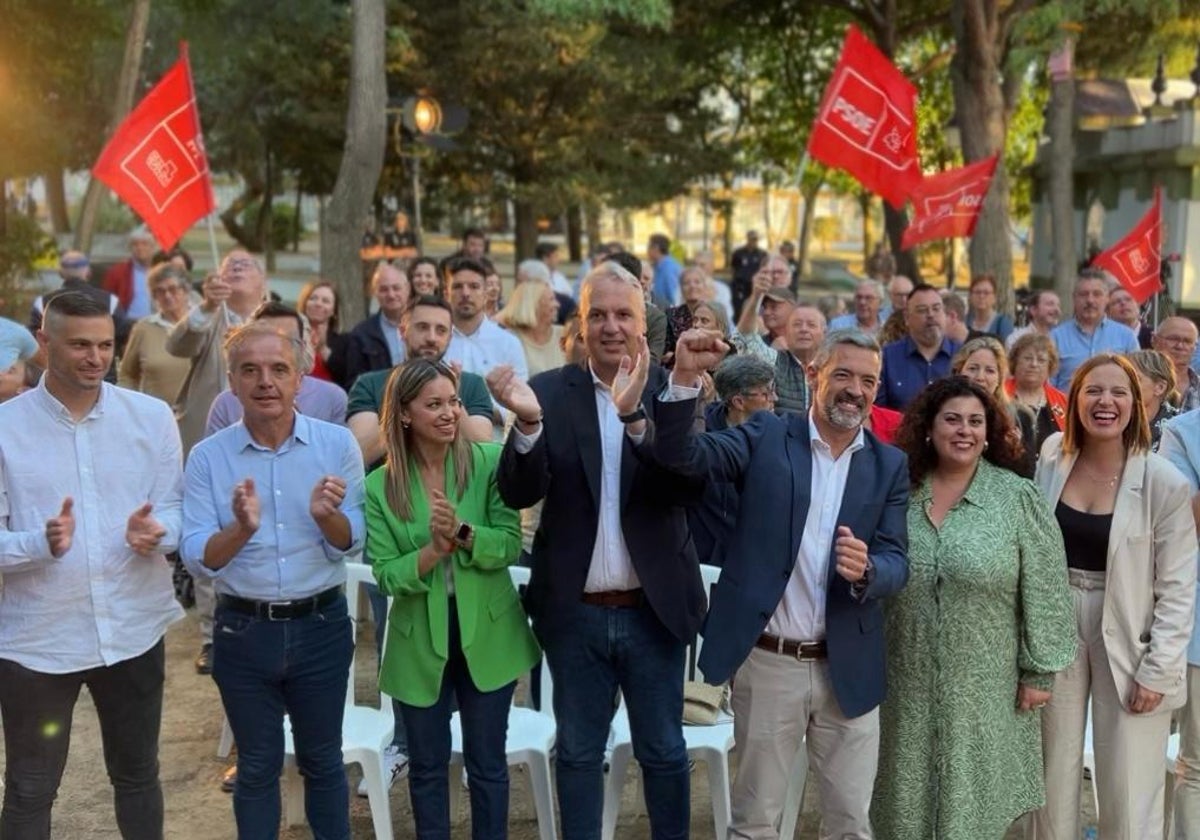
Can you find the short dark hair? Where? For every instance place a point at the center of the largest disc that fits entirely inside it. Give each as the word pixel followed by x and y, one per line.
pixel 73 304
pixel 627 261
pixel 458 264
pixel 274 309
pixel 661 241
pixel 167 256
pixel 427 300
pixel 422 261
pixel 925 287
pixel 544 249
pixel 473 233
pixel 737 374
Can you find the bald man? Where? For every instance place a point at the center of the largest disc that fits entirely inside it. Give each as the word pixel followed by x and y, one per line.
pixel 1176 337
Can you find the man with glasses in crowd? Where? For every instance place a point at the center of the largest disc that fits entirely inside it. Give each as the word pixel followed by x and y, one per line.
pixel 1176 338
pixel 868 301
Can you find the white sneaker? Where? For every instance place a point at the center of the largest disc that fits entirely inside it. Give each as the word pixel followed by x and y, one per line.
pixel 395 767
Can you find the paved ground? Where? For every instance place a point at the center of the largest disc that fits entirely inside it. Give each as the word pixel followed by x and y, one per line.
pixel 197 810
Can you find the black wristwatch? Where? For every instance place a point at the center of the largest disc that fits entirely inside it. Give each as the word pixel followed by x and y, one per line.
pixel 637 414
pixel 463 534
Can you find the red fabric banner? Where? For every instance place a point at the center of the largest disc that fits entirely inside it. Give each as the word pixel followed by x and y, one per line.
pixel 947 204
pixel 867 123
pixel 155 160
pixel 1136 261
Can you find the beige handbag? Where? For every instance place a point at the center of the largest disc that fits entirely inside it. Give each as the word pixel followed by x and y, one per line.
pixel 703 703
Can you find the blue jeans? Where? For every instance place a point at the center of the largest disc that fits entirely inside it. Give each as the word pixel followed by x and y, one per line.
pixel 592 654
pixel 379 611
pixel 484 717
pixel 264 669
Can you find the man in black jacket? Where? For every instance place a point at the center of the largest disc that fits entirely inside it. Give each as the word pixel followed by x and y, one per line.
pixel 375 343
pixel 615 594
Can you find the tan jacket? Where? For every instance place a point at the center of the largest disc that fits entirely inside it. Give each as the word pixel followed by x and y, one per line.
pixel 200 337
pixel 1150 583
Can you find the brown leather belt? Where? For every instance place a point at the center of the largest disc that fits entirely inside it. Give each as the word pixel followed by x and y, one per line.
pixel 797 650
pixel 614 598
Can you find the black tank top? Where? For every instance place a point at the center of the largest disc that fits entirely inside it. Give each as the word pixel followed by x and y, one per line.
pixel 1085 537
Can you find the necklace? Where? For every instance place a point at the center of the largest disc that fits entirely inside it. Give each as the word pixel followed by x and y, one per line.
pixel 1102 480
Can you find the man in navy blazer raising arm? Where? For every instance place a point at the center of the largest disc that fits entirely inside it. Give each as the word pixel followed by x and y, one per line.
pixel 820 539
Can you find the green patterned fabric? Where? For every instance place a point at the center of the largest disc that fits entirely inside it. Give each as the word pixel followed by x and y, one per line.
pixel 987 606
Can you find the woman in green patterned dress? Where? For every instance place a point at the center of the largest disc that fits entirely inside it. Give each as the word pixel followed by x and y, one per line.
pixel 975 638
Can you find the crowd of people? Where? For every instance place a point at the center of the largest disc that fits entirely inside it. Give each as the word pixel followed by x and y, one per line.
pixel 945 542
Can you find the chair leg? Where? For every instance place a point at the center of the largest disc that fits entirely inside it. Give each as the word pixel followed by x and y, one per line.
pixel 293 795
pixel 377 796
pixel 614 786
pixel 226 745
pixel 542 795
pixel 718 789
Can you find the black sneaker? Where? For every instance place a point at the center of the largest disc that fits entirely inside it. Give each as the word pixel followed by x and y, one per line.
pixel 204 660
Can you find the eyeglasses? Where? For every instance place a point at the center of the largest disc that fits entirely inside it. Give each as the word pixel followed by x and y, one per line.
pixel 172 289
pixel 1178 340
pixel 767 393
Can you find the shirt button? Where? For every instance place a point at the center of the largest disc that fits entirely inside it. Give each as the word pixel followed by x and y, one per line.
pixel 280 525
pixel 278 492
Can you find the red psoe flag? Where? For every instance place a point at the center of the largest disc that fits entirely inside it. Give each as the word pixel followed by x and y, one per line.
pixel 867 123
pixel 155 160
pixel 1136 261
pixel 947 204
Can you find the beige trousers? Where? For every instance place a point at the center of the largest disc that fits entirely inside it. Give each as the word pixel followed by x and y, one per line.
pixel 1187 784
pixel 779 702
pixel 1129 748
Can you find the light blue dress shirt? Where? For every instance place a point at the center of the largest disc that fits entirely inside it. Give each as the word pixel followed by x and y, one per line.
pixel 391 334
pixel 288 557
pixel 140 304
pixel 1180 445
pixel 1075 346
pixel 666 279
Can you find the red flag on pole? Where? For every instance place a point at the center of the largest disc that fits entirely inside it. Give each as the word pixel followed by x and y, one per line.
pixel 155 160
pixel 867 123
pixel 947 204
pixel 1136 261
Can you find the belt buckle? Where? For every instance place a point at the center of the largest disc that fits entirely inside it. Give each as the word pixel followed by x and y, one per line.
pixel 799 651
pixel 271 605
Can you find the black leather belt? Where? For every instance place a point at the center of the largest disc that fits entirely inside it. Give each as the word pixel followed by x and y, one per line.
pixel 797 650
pixel 280 610
pixel 614 598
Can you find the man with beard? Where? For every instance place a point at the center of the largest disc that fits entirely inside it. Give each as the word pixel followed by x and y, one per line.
pixel 921 356
pixel 1090 331
pixel 1043 310
pixel 477 343
pixel 797 612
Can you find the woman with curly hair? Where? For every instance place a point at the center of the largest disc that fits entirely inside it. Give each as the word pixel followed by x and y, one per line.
pixel 976 637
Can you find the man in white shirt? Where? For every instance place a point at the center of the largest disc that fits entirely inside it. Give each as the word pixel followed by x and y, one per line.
pixel 478 343
pixel 1043 310
pixel 90 499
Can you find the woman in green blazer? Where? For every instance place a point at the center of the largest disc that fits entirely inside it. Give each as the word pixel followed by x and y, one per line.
pixel 440 542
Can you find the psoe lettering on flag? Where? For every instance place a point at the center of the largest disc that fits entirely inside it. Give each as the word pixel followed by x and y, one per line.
pixel 948 203
pixel 867 122
pixel 155 160
pixel 1136 260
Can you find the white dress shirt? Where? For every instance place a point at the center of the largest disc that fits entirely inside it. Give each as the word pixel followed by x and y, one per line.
pixel 488 346
pixel 100 603
pixel 611 568
pixel 800 615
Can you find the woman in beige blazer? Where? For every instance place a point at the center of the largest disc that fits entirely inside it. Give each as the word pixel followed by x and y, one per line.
pixel 1131 554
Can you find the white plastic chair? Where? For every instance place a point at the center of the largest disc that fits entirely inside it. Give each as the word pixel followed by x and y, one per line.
pixel 710 744
pixel 530 741
pixel 366 733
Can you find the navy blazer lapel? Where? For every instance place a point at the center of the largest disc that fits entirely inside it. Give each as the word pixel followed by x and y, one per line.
pixel 581 399
pixel 799 450
pixel 860 481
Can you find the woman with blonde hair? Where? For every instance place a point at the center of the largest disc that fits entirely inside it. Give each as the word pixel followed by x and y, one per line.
pixel 530 315
pixel 440 541
pixel 1156 374
pixel 1126 521
pixel 982 360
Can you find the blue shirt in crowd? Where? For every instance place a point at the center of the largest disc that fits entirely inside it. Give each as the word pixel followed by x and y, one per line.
pixel 666 279
pixel 1075 346
pixel 906 372
pixel 288 557
pixel 1181 446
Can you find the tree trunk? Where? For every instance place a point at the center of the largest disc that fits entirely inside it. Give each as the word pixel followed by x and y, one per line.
pixel 56 201
pixel 866 203
pixel 525 232
pixel 979 102
pixel 806 224
pixel 131 65
pixel 362 160
pixel 575 233
pixel 591 217
pixel 297 221
pixel 896 222
pixel 1062 187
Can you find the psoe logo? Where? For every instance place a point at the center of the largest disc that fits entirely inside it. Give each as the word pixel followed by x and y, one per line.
pixel 162 169
pixel 858 120
pixel 1139 261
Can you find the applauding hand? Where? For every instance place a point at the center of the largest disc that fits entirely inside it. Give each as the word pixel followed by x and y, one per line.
pixel 442 522
pixel 143 532
pixel 247 509
pixel 514 394
pixel 60 530
pixel 630 381
pixel 326 497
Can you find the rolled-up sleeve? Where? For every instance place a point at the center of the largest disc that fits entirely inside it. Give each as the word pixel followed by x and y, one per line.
pixel 353 504
pixel 167 494
pixel 200 517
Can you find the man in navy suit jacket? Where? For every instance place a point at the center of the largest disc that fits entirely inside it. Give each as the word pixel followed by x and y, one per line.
pixel 615 594
pixel 820 538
